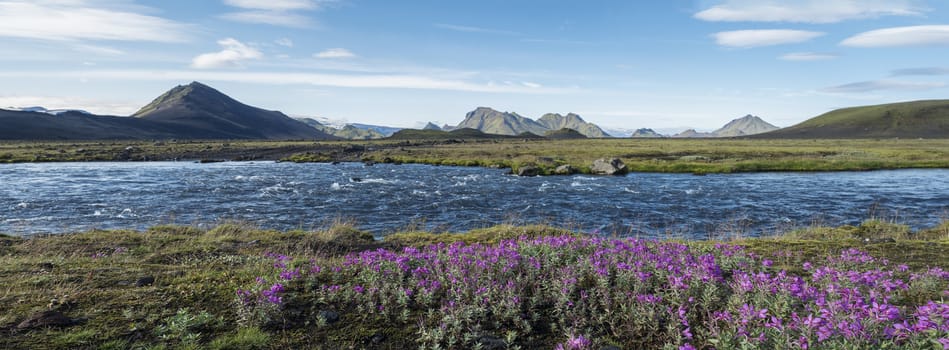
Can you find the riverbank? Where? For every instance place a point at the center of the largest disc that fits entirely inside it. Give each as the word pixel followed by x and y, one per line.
pixel 700 156
pixel 184 287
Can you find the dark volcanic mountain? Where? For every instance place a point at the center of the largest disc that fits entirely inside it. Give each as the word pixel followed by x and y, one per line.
pixel 926 119
pixel 193 111
pixel 18 125
pixel 199 111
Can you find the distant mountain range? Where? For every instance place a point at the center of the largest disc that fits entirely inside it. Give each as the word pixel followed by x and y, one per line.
pixel 744 126
pixel 197 111
pixel 347 131
pixel 193 111
pixel 490 121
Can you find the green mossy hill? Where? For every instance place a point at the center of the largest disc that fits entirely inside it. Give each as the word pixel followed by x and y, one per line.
pixel 917 119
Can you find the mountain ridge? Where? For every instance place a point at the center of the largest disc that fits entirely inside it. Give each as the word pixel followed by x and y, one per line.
pixel 491 121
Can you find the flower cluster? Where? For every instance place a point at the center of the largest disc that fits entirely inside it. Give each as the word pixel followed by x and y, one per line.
pixel 636 293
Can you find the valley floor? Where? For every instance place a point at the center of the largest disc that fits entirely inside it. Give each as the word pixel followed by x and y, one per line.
pixel 698 156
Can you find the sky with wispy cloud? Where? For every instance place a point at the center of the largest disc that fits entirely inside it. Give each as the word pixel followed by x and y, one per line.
pixel 628 64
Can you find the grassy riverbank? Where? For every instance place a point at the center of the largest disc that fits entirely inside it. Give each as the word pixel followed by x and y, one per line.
pixel 176 287
pixel 646 155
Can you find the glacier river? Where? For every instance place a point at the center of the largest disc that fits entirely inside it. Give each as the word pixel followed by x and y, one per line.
pixel 67 197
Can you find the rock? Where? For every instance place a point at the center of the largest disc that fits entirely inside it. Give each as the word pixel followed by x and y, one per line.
pixel 46 266
pixel 488 342
pixel 45 319
pixel 329 316
pixel 614 166
pixel 528 171
pixel 145 281
pixel 377 338
pixel 565 170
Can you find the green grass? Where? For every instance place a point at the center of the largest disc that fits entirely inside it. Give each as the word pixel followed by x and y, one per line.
pixel 640 155
pixel 91 275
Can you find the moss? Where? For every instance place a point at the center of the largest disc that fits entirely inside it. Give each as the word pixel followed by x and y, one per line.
pixel 244 339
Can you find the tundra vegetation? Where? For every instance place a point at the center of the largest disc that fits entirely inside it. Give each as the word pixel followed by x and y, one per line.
pixel 640 155
pixel 233 286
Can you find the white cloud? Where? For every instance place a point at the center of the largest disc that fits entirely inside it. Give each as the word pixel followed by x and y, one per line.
pixel 877 85
pixel 274 12
pixel 808 11
pixel 379 81
pixel 931 71
pixel 932 35
pixel 274 5
pixel 807 56
pixel 84 20
pixel 274 18
pixel 471 29
pixel 98 50
pixel 531 85
pixel 234 52
pixel 284 42
pixel 335 53
pixel 763 37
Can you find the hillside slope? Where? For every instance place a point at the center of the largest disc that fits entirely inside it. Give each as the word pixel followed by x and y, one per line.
pixel 916 119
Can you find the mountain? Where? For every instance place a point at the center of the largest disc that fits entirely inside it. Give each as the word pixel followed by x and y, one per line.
pixel 571 121
pixel 744 126
pixel 384 130
pixel 691 133
pixel 456 134
pixel 20 125
pixel 916 119
pixel 645 133
pixel 347 131
pixel 39 109
pixel 199 111
pixel 618 132
pixel 431 126
pixel 491 121
pixel 747 125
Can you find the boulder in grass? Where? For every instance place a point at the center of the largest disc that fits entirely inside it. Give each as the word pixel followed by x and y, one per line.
pixel 612 166
pixel 46 319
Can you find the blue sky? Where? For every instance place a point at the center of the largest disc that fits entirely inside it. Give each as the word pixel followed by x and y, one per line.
pixel 662 64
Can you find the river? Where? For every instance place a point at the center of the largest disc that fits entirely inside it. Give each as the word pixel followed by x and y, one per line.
pixel 66 197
